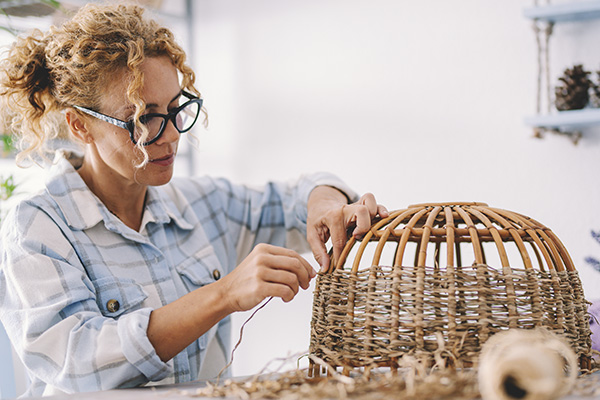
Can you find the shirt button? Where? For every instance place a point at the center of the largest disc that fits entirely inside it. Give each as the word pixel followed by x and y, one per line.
pixel 216 274
pixel 112 305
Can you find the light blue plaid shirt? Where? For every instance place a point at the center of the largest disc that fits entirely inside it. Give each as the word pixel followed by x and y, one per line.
pixel 77 286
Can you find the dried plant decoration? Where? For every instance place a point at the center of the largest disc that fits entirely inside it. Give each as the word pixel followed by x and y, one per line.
pixel 412 381
pixel 573 92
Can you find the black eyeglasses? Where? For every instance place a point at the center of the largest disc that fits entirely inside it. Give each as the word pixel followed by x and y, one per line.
pixel 183 118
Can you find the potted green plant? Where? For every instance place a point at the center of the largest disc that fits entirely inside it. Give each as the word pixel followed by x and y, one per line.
pixel 7 183
pixel 18 8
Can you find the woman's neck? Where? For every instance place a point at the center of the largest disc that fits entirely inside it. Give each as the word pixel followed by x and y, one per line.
pixel 124 199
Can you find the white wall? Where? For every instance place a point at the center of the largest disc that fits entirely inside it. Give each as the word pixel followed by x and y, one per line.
pixel 415 101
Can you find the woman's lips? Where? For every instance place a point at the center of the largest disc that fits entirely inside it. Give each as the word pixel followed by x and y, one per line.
pixel 164 161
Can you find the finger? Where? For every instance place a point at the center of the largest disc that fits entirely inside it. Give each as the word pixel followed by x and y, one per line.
pixel 316 242
pixel 363 221
pixel 293 260
pixel 281 277
pixel 296 266
pixel 266 249
pixel 382 211
pixel 284 292
pixel 369 200
pixel 339 236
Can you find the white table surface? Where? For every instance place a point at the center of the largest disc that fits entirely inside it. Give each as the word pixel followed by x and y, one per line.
pixel 185 390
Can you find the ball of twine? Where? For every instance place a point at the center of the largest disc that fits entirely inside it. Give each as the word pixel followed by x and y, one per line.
pixel 526 365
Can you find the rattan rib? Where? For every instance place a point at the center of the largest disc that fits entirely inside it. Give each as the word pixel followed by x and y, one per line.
pixel 371 313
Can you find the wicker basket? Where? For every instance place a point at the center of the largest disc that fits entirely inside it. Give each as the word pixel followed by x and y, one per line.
pixel 436 280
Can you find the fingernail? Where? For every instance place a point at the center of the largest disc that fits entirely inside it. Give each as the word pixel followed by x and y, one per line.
pixel 358 235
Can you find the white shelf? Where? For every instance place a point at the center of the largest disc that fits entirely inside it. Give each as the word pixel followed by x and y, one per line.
pixel 566 119
pixel 26 8
pixel 565 12
pixel 571 11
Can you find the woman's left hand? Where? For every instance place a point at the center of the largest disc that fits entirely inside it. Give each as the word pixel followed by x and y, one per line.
pixel 330 215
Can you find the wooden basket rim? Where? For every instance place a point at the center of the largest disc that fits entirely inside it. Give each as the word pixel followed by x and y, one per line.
pixel 549 251
pixel 449 204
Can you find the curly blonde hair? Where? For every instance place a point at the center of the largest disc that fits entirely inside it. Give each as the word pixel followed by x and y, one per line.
pixel 45 73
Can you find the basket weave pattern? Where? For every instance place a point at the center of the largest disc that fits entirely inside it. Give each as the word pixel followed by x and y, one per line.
pixel 373 312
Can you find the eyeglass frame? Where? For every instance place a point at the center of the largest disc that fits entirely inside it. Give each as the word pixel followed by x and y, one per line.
pixel 130 125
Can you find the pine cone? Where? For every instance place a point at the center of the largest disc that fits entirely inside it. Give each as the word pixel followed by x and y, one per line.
pixel 573 94
pixel 595 96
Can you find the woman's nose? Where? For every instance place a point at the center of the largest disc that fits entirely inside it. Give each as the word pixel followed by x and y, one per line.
pixel 170 134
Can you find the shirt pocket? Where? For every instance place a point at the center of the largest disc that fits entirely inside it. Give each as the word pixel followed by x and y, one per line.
pixel 115 296
pixel 200 269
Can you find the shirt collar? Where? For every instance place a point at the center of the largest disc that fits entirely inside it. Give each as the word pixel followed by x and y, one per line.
pixel 83 210
pixel 161 209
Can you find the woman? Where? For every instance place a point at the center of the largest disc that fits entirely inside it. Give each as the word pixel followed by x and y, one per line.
pixel 115 275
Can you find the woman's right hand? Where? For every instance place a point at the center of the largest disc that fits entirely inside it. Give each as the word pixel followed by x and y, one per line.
pixel 268 271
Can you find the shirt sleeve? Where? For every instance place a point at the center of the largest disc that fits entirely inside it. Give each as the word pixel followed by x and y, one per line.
pixel 49 309
pixel 274 214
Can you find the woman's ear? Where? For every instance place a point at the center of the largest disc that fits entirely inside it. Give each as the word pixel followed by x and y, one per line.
pixel 78 126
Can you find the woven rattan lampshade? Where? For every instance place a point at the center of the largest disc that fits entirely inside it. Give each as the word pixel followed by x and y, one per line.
pixel 437 280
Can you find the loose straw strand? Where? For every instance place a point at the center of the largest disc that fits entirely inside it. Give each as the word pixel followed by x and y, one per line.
pixel 240 339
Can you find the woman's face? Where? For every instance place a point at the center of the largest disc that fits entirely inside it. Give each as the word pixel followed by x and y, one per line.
pixel 113 154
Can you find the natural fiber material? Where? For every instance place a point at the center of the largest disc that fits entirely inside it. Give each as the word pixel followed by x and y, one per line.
pixel 531 364
pixel 473 271
pixel 412 381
